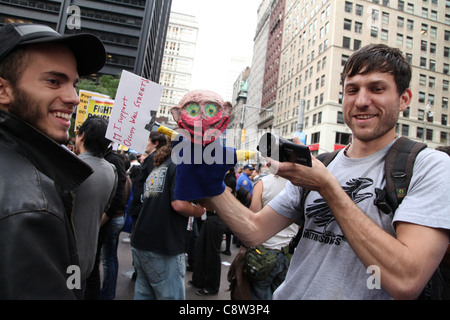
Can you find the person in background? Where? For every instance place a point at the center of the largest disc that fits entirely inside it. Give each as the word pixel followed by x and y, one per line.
pixel 159 236
pixel 111 226
pixel 265 189
pixel 155 141
pixel 39 70
pixel 93 197
pixel 244 179
pixel 208 263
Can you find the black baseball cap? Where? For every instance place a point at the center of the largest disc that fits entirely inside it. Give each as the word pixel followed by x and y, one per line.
pixel 249 166
pixel 87 48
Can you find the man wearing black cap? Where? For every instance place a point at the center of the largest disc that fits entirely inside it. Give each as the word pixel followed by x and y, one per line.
pixel 39 70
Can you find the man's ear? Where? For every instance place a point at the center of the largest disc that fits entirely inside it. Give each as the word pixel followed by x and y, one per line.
pixel 405 99
pixel 5 94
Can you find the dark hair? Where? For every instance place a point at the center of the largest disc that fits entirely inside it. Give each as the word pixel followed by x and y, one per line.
pixel 126 160
pixel 159 137
pixel 94 129
pixel 379 58
pixel 132 156
pixel 12 66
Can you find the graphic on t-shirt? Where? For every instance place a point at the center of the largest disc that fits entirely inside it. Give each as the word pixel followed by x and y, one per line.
pixel 322 216
pixel 154 185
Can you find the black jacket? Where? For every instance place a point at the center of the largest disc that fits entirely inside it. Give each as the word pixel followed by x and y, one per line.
pixel 37 242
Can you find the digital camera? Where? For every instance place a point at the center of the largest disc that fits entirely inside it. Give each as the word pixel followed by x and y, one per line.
pixel 282 150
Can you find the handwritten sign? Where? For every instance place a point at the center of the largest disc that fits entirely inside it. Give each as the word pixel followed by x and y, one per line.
pixel 82 107
pixel 135 98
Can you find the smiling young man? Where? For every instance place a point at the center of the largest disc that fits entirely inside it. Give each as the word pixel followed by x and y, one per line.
pixel 39 70
pixel 345 236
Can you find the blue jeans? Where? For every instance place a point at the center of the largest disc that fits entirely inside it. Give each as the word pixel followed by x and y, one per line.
pixel 159 277
pixel 109 259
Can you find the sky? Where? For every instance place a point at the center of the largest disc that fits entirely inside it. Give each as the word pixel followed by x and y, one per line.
pixel 226 29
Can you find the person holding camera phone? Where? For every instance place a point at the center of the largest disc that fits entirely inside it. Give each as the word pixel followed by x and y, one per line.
pixel 347 241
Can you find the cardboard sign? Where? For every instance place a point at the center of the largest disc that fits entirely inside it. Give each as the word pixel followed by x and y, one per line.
pixel 82 107
pixel 99 107
pixel 135 98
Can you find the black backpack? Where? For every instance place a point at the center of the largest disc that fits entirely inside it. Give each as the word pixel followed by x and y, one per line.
pixel 398 172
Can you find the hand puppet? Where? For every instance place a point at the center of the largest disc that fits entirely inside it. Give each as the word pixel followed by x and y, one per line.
pixel 202 162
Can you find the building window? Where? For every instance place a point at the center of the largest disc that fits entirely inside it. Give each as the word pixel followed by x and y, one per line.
pixel 374 32
pixel 429 136
pixel 359 10
pixel 406 112
pixel 423 80
pixel 409 42
pixel 444 136
pixel 399 40
pixel 419 134
pixel 384 34
pixel 315 138
pixel 420 114
pixel 342 138
pixel 347 24
pixel 340 117
pixel 346 42
pixel 445 85
pixel 405 130
pixel 348 6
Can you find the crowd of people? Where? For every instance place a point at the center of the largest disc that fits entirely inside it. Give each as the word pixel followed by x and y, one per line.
pixel 62 212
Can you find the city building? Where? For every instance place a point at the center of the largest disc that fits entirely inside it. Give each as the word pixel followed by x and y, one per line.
pixel 133 31
pixel 320 35
pixel 177 63
pixel 258 120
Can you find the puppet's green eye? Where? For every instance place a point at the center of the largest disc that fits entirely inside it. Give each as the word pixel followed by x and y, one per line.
pixel 193 110
pixel 211 110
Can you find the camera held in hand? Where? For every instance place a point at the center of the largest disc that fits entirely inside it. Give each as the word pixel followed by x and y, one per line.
pixel 282 150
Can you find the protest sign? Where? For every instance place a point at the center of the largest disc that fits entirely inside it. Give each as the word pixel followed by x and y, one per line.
pixel 82 107
pixel 99 107
pixel 135 98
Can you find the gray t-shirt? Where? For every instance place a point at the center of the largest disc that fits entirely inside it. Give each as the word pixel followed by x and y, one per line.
pixel 324 265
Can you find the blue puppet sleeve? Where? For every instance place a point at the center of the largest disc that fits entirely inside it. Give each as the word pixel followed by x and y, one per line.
pixel 200 169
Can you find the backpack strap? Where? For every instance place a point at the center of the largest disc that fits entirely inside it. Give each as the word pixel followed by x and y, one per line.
pixel 326 158
pixel 398 166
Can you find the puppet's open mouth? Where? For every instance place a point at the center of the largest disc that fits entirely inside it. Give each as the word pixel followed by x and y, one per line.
pixel 205 134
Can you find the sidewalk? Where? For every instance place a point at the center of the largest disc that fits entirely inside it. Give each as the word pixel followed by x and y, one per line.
pixel 125 286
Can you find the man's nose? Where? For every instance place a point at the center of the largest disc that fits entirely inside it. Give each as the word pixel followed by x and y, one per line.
pixel 70 96
pixel 362 99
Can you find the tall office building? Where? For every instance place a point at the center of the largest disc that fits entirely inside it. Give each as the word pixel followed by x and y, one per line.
pixel 178 62
pixel 320 35
pixel 133 31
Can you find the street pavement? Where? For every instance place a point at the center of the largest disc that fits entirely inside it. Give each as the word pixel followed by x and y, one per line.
pixel 125 285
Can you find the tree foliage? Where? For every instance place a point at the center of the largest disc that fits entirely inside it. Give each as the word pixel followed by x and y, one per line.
pixel 106 84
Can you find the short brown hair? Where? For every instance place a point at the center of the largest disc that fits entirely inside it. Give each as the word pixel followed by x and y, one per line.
pixel 379 58
pixel 12 67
